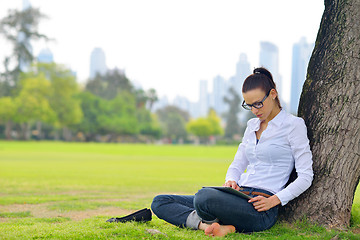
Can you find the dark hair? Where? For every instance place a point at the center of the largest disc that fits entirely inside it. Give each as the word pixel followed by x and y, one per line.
pixel 261 78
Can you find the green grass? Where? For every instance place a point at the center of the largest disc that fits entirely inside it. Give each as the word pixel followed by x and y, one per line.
pixel 73 178
pixel 15 214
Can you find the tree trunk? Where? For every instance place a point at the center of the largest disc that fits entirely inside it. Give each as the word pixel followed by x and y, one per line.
pixel 25 131
pixel 8 128
pixel 67 134
pixel 330 107
pixel 40 134
pixel 56 135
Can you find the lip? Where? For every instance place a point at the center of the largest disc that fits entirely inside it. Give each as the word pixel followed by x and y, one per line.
pixel 259 116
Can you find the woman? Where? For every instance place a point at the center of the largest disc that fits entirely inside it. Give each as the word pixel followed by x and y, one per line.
pixel 273 144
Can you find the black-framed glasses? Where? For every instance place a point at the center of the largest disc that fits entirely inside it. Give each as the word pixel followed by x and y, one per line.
pixel 256 105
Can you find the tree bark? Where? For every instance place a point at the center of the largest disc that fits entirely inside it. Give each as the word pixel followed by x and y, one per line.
pixel 8 128
pixel 40 135
pixel 67 134
pixel 330 107
pixel 25 131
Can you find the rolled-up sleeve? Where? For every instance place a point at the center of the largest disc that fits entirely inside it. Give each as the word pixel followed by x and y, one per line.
pixel 301 152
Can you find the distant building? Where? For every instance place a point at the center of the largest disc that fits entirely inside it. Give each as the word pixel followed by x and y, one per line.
pixel 21 38
pixel 194 110
pixel 26 4
pixel 204 98
pixel 97 62
pixel 161 103
pixel 300 60
pixel 242 71
pixel 219 92
pixel 182 103
pixel 45 56
pixel 269 58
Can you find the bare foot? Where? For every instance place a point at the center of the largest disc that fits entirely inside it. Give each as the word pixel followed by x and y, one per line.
pixel 217 230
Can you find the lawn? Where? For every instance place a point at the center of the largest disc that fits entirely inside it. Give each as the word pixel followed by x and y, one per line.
pixel 68 190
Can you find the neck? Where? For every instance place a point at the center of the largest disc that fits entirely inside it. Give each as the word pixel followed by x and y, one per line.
pixel 273 114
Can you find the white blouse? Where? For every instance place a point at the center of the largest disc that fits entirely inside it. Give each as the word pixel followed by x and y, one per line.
pixel 268 164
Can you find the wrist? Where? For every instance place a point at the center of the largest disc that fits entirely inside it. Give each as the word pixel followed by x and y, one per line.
pixel 274 200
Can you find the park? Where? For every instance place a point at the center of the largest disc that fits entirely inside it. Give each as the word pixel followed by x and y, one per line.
pixel 73 156
pixel 56 190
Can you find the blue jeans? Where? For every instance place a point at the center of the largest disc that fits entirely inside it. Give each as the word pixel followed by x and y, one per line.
pixel 212 205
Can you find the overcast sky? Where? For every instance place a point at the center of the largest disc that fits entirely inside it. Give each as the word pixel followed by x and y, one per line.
pixel 171 45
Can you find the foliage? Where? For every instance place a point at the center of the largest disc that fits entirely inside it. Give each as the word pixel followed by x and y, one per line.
pixel 206 127
pixel 148 123
pixel 121 109
pixel 91 107
pixel 151 97
pixel 32 102
pixel 109 85
pixel 200 127
pixel 215 122
pixel 19 28
pixel 118 116
pixel 172 120
pixel 232 123
pixel 63 91
pixel 7 109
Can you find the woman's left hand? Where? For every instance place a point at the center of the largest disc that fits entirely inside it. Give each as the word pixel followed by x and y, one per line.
pixel 261 203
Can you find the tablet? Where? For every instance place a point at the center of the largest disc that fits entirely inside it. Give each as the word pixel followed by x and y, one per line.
pixel 232 191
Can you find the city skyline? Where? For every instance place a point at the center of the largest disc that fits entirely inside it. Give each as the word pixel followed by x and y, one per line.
pixel 268 57
pixel 301 56
pixel 160 48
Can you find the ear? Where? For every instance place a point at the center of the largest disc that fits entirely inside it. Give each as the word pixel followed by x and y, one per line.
pixel 273 93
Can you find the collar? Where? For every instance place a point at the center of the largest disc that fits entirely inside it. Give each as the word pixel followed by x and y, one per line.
pixel 277 121
pixel 279 118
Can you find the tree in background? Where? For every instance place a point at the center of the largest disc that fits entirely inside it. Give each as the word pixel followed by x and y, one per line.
pixel 173 120
pixel 19 28
pixel 151 98
pixel 329 105
pixel 148 123
pixel 232 123
pixel 204 128
pixel 122 106
pixel 107 117
pixel 32 104
pixel 92 107
pixel 62 99
pixel 141 98
pixel 7 114
pixel 109 85
pixel 120 116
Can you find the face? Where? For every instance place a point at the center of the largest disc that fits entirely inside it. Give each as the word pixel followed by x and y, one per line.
pixel 257 95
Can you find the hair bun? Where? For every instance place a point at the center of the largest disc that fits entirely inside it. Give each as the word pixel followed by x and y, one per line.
pixel 264 71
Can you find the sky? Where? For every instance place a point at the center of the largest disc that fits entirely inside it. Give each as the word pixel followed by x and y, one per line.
pixel 171 45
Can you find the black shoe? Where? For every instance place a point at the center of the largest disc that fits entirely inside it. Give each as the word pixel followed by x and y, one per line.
pixel 143 215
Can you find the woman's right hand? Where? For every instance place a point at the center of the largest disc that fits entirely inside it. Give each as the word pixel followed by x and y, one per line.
pixel 231 184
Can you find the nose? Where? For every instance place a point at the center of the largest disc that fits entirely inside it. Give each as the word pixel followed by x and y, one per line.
pixel 254 110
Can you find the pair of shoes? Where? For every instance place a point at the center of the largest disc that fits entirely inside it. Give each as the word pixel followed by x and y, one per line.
pixel 143 215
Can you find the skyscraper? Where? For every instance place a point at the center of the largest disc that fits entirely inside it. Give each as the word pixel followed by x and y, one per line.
pixel 300 60
pixel 182 103
pixel 242 71
pixel 21 38
pixel 26 4
pixel 45 56
pixel 269 58
pixel 161 103
pixel 204 98
pixel 219 91
pixel 97 62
